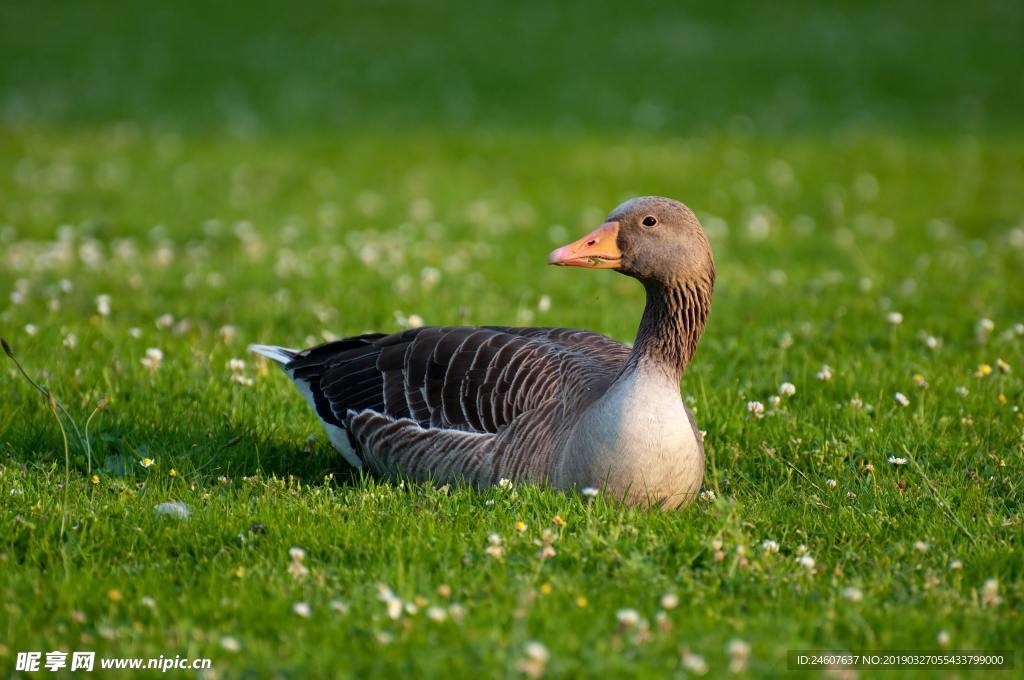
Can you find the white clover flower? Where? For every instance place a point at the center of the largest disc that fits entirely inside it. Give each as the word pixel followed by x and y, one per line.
pixel 806 561
pixel 236 365
pixel 895 318
pixel 669 601
pixel 590 491
pixel 31 329
pixel 962 391
pixel 774 400
pixel 990 593
pixel 505 483
pixel 831 483
pixel 921 546
pixel 755 408
pixel 164 321
pixel 825 374
pixel 153 359
pixel 437 614
pixel 230 644
pixel 694 663
pixel 302 609
pixel 628 617
pixel 70 341
pixel 902 399
pixel 787 389
pixel 856 403
pixel 942 638
pixel 297 554
pixel 415 321
pixel 544 303
pixel 339 606
pixel 536 659
pixel 708 496
pixel 769 546
pixel 739 655
pixel 103 305
pixel 853 594
pixel 956 565
pixel 1002 366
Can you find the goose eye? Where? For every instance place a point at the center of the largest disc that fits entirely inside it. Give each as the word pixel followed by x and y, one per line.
pixel 650 221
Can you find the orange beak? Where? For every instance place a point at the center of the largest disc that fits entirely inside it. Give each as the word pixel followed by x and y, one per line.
pixel 596 250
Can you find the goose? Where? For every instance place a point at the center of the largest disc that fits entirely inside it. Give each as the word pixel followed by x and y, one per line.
pixel 567 408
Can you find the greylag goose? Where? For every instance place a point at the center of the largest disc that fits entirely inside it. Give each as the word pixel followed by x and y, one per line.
pixel 570 408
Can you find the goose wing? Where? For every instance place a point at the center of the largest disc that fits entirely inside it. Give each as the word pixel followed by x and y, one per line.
pixel 470 379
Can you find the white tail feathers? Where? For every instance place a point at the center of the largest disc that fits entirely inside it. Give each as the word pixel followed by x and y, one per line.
pixel 281 355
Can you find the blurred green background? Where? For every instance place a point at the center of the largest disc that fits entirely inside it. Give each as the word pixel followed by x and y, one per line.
pixel 663 68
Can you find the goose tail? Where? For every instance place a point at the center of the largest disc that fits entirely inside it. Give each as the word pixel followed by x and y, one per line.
pixel 281 355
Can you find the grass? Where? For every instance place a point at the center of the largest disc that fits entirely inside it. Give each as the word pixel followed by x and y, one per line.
pixel 230 186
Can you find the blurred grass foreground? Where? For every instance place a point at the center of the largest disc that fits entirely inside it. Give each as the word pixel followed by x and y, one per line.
pixel 178 180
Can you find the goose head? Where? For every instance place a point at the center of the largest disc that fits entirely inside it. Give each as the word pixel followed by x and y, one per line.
pixel 656 240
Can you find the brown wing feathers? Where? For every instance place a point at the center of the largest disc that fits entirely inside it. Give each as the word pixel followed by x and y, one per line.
pixel 468 380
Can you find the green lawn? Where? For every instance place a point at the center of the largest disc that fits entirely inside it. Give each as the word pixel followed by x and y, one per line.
pixel 285 179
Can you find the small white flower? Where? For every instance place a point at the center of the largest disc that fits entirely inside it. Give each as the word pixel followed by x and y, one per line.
pixel 708 496
pixel 990 593
pixel 147 602
pixel 339 606
pixel 739 655
pixel 921 546
pixel 504 483
pixel 942 638
pixel 230 644
pixel 956 565
pixel 669 601
pixel 175 509
pixel 242 379
pixel 437 614
pixel 164 321
pixel 628 617
pixel 962 391
pixel 236 365
pixel 806 561
pixel 153 359
pixel 902 399
pixel 831 483
pixel 853 594
pixel 135 332
pixel 302 609
pixel 71 341
pixel 856 403
pixel 31 329
pixel 932 342
pixel 787 389
pixel 774 400
pixel 897 461
pixel 895 318
pixel 536 660
pixel 544 303
pixel 415 321
pixel 755 408
pixel 590 491
pixel 297 554
pixel 103 305
pixel 769 546
pixel 694 663
pixel 825 374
